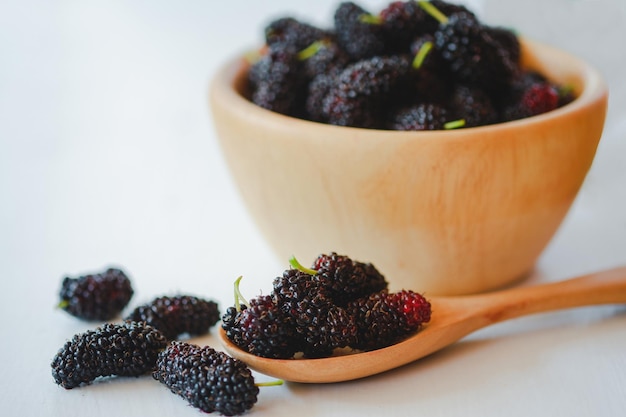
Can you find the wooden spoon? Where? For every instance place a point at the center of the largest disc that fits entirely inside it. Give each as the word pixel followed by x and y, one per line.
pixel 452 319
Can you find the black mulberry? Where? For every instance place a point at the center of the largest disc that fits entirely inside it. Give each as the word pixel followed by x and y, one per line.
pixel 322 57
pixel 127 349
pixel 318 89
pixel 402 22
pixel 293 32
pixel 472 105
pixel 363 89
pixel 321 324
pixel 262 329
pixel 178 315
pixel 473 55
pixel 96 296
pixel 359 37
pixel 386 318
pixel 425 116
pixel 277 82
pixel 344 279
pixel 432 80
pixel 537 98
pixel 207 379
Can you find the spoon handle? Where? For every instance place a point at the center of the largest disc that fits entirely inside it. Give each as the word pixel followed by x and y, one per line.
pixel 604 287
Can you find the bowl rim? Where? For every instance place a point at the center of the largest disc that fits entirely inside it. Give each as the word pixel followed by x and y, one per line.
pixel 223 91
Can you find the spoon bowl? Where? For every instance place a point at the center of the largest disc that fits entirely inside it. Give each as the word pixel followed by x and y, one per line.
pixel 452 318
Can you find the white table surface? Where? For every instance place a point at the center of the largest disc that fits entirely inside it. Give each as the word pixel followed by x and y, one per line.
pixel 108 157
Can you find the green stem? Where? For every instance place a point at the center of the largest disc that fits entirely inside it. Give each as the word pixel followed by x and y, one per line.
pixel 239 298
pixel 252 57
pixel 421 54
pixel 310 50
pixel 564 90
pixel 297 265
pixel 270 383
pixel 433 11
pixel 63 304
pixel 370 19
pixel 455 124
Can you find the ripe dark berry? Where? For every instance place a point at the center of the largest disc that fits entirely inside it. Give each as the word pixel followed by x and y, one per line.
pixel 473 55
pixel 402 22
pixel 318 90
pixel 332 327
pixel 425 116
pixel 507 39
pixel 472 105
pixel 262 329
pixel 359 37
pixel 315 311
pixel 209 380
pixel 96 296
pixel 364 88
pixel 344 279
pixel 356 73
pixel 276 80
pixel 320 325
pixel 292 32
pixel 127 349
pixel 322 57
pixel 178 315
pixel 431 78
pixel 536 99
pixel 387 318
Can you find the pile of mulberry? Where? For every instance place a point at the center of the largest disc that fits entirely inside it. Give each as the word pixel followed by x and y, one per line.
pixel 96 297
pixel 209 380
pixel 177 315
pixel 127 349
pixel 366 71
pixel 315 311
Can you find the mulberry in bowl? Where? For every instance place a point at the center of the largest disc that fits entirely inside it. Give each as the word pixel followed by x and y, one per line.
pixel 445 212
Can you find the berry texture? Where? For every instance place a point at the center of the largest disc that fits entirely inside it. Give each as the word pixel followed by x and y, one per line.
pixel 537 99
pixel 368 66
pixel 96 297
pixel 344 279
pixel 318 89
pixel 432 79
pixel 357 36
pixel 262 329
pixel 127 349
pixel 320 325
pixel 322 57
pixel 507 39
pixel 473 55
pixel 292 32
pixel 338 303
pixel 473 105
pixel 402 22
pixel 207 379
pixel 276 80
pixel 174 316
pixel 385 318
pixel 363 89
pixel 425 116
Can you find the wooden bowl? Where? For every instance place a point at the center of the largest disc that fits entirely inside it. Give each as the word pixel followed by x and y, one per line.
pixel 440 212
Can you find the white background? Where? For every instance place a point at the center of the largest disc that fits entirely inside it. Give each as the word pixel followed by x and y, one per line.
pixel 108 157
